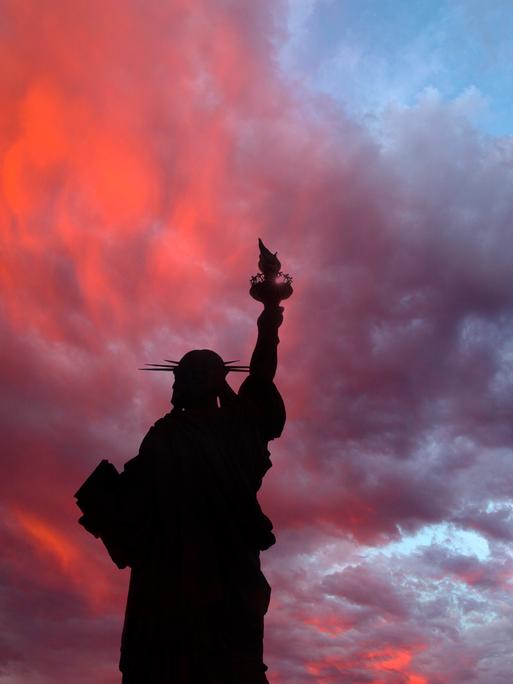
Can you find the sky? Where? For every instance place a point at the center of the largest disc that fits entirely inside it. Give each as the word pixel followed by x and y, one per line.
pixel 144 147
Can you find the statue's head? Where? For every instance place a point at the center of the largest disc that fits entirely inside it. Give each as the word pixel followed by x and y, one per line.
pixel 199 376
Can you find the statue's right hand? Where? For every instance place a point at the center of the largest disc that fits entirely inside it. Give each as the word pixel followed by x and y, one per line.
pixel 271 316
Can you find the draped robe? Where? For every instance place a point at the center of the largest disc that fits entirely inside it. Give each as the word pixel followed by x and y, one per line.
pixel 190 526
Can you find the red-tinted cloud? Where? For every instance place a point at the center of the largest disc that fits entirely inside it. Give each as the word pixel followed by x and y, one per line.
pixel 144 148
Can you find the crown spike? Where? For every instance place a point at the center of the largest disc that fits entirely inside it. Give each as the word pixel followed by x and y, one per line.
pixel 157 369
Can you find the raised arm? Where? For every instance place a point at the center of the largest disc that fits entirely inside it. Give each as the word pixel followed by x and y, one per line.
pixel 258 389
pixel 264 359
pixel 269 287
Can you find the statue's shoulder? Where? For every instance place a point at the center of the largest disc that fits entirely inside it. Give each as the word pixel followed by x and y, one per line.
pixel 264 402
pixel 163 424
pixel 157 434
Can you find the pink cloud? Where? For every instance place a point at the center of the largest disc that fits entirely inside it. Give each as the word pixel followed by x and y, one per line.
pixel 143 151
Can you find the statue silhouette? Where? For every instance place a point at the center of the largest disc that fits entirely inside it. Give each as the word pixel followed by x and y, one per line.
pixel 184 515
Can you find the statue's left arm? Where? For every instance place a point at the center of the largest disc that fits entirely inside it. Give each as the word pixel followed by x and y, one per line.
pixel 117 506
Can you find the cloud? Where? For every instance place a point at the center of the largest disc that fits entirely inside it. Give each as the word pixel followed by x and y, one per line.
pixel 143 152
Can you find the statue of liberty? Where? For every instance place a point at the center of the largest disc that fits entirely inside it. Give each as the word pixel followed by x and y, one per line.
pixel 184 514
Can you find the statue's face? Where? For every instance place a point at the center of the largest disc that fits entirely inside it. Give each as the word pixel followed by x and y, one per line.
pixel 191 387
pixel 197 379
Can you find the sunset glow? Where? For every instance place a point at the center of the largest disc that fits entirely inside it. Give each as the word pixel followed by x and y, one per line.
pixel 144 147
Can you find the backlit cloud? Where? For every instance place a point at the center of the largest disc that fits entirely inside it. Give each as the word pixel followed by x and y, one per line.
pixel 143 151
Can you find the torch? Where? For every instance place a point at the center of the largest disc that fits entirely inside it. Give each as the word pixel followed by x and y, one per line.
pixel 270 286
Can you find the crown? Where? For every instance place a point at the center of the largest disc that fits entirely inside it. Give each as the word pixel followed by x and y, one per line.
pixel 169 365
